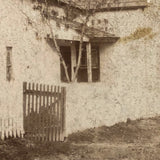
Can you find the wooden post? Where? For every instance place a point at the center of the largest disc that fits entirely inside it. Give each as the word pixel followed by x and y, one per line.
pixel 58 115
pixel 48 118
pixel 43 114
pixel 32 113
pixel 37 114
pixel 64 112
pixel 89 62
pixel 24 105
pixel 52 106
pixel 40 114
pixel 54 114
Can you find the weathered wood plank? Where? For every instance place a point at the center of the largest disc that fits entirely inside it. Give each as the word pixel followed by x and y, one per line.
pixel 29 91
pixel 48 115
pixel 58 115
pixel 55 115
pixel 43 114
pixel 37 114
pixel 24 104
pixel 61 115
pixel 40 114
pixel 64 112
pixel 32 114
pixel 28 119
pixel 123 4
pixel 89 62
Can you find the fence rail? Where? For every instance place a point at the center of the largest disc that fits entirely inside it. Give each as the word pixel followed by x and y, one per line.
pixel 10 128
pixel 44 112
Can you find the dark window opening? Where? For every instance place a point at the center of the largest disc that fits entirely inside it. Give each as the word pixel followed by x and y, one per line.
pixel 66 54
pixel 82 73
pixel 9 63
pixel 95 64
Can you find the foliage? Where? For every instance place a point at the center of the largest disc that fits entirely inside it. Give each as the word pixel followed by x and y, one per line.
pixel 138 34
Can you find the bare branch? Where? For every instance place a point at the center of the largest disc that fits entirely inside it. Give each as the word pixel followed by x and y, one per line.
pixel 59 53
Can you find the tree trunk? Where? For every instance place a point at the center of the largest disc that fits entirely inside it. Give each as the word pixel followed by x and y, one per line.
pixel 80 47
pixel 60 55
pixel 80 54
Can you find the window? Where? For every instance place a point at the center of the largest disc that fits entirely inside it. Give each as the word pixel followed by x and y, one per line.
pixel 9 63
pixel 66 54
pixel 95 64
pixel 82 73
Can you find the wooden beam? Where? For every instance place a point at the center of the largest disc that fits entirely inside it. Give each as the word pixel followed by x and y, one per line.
pixel 124 5
pixel 89 62
pixel 73 59
pixel 104 39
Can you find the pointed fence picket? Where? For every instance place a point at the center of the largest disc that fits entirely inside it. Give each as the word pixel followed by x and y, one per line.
pixel 10 128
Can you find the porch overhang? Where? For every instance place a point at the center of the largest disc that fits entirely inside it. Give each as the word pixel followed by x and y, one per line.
pixel 73 33
pixel 96 35
pixel 94 39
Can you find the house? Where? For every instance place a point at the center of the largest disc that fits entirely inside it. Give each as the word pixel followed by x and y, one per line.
pixel 121 78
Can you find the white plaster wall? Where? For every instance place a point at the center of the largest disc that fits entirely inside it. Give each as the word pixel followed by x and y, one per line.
pixel 32 59
pixel 22 28
pixel 129 86
pixel 130 73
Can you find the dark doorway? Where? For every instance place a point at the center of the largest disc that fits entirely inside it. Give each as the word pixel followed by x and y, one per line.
pixel 66 54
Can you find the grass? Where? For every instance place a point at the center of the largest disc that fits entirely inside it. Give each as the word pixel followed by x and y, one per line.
pixel 121 132
pixel 133 140
pixel 21 149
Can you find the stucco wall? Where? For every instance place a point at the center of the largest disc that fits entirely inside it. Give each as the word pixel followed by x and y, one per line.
pixel 130 70
pixel 32 59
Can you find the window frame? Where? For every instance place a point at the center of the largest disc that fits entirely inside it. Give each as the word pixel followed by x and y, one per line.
pixel 83 68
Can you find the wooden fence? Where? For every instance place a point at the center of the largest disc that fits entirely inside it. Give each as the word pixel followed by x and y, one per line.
pixel 44 112
pixel 10 128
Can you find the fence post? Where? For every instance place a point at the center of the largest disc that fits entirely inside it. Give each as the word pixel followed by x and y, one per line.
pixel 64 112
pixel 24 104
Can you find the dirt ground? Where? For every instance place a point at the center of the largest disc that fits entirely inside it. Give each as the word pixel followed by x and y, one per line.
pixel 134 140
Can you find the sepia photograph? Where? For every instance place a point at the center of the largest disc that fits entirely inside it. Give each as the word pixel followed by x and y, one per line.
pixel 79 79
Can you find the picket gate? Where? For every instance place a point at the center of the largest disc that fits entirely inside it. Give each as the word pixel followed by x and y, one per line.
pixel 44 109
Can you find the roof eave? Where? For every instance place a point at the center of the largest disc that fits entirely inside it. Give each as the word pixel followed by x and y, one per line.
pixel 120 8
pixel 104 39
pixel 113 6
